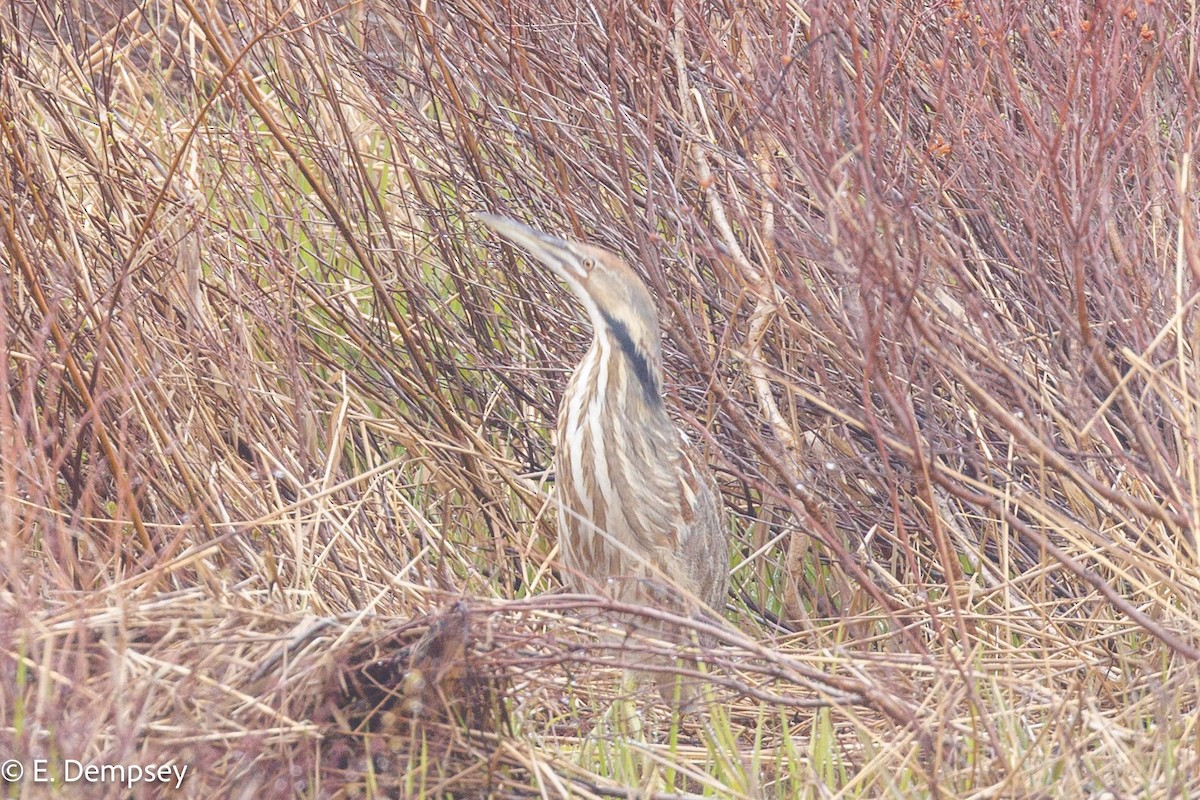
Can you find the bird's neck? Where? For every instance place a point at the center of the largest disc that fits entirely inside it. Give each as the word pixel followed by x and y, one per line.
pixel 631 369
pixel 635 365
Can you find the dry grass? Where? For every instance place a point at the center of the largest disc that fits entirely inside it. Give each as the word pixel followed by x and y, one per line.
pixel 274 442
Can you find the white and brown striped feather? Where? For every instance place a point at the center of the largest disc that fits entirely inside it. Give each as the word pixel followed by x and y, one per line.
pixel 638 511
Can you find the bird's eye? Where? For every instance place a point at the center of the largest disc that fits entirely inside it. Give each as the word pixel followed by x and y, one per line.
pixel 588 263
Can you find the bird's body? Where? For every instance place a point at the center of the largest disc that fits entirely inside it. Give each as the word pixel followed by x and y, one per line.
pixel 639 518
pixel 635 512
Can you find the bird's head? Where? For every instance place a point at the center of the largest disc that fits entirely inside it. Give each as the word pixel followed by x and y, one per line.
pixel 617 301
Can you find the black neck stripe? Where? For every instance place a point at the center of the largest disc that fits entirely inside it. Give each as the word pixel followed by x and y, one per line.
pixel 637 359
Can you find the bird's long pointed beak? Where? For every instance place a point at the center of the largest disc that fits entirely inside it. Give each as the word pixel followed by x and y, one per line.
pixel 552 251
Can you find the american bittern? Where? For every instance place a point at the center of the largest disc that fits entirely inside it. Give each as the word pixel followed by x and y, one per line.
pixel 638 512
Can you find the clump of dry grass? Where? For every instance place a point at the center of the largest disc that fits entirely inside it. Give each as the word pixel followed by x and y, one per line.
pixel 275 438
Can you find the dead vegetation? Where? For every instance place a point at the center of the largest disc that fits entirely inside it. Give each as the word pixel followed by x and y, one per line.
pixel 275 437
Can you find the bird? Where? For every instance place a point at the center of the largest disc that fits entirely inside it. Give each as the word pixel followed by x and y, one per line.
pixel 638 510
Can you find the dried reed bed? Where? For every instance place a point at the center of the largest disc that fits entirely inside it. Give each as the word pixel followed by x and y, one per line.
pixel 276 426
